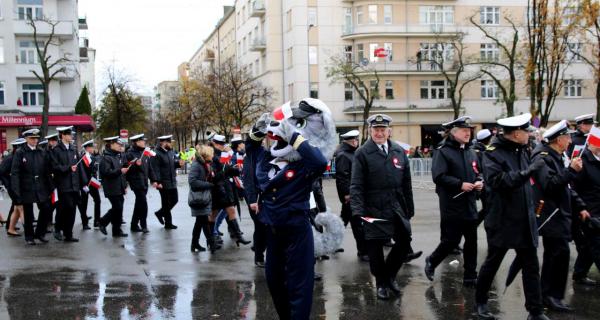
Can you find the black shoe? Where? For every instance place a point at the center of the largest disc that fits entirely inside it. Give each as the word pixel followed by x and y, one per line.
pixel 196 247
pixel 483 312
pixel 103 229
pixel 259 264
pixel 585 281
pixel 556 304
pixel 120 235
pixel 389 244
pixel 383 293
pixel 30 242
pixel 394 287
pixel 159 217
pixel 218 240
pixel 364 258
pixel 318 276
pixel 58 236
pixel 71 239
pixel 456 251
pixel 145 230
pixel 135 229
pixel 429 269
pixel 42 239
pixel 10 234
pixel 214 246
pixel 540 316
pixel 470 282
pixel 86 227
pixel 96 224
pixel 170 227
pixel 412 256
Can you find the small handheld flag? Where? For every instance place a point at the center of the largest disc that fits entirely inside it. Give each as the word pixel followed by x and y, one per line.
pixel 54 196
pixel 149 153
pixel 95 183
pixel 225 157
pixel 594 137
pixel 371 219
pixel 87 159
pixel 577 150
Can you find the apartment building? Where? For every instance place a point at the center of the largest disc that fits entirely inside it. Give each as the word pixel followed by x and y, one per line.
pixel 288 46
pixel 21 93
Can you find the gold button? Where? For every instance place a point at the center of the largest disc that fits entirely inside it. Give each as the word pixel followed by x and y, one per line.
pixel 273 198
pixel 274 190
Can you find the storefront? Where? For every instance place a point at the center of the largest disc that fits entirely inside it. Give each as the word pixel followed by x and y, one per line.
pixel 11 126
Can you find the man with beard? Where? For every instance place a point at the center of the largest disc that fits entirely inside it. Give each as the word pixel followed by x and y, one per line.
pixel 165 177
pixel 381 195
pixel 344 157
pixel 69 180
pixel 137 176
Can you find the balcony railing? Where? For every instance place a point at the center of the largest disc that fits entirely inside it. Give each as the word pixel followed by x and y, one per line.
pixel 366 30
pixel 258 9
pixel 64 29
pixel 410 66
pixel 258 44
pixel 24 71
pixel 400 105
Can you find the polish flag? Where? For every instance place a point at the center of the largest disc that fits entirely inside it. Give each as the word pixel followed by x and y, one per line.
pixel 54 196
pixel 577 151
pixel 95 183
pixel 371 220
pixel 149 153
pixel 87 159
pixel 238 183
pixel 240 159
pixel 594 137
pixel 283 112
pixel 225 157
pixel 328 166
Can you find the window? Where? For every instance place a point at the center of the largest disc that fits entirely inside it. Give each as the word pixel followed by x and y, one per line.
pixel 291 91
pixel 570 14
pixel 1 93
pixel 573 52
pixel 256 67
pixel 347 20
pixel 388 51
pixel 348 92
pixel 290 57
pixel 360 52
pixel 312 16
pixel 312 55
pixel 436 54
pixel 27 9
pixel 33 95
pixel 489 89
pixel 373 87
pixel 433 89
pixel 359 15
pixel 389 89
pixel 288 19
pixel 314 90
pixel 372 14
pixel 387 14
pixel 572 88
pixel 436 16
pixel 489 15
pixel 348 53
pixel 1 50
pixel 372 48
pixel 28 52
pixel 489 52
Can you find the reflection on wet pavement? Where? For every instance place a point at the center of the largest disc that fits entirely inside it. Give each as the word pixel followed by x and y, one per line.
pixel 155 277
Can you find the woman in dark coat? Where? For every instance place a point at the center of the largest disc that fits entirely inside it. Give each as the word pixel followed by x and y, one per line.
pixel 200 179
pixel 5 167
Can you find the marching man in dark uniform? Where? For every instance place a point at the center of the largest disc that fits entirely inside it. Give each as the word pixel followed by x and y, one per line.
pixel 484 137
pixel 587 185
pixel 551 185
pixel 344 156
pixel 381 194
pixel 137 176
pixel 69 180
pixel 113 169
pixel 30 182
pixel 91 171
pixel 511 221
pixel 455 171
pixel 52 142
pixel 584 125
pixel 165 178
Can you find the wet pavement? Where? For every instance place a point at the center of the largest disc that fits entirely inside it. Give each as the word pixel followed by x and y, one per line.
pixel 155 276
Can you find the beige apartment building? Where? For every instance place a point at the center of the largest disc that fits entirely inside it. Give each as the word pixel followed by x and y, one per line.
pixel 288 46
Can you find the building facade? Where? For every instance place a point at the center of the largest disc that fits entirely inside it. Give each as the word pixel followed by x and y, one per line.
pixel 21 93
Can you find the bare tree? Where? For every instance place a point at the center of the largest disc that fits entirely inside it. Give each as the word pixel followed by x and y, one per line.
pixel 590 26
pixel 507 63
pixel 50 66
pixel 342 69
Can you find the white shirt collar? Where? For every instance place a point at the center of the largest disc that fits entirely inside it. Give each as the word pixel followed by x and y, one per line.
pixel 597 157
pixel 66 145
pixel 30 147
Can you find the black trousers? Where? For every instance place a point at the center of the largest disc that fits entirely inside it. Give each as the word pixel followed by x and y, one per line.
pixel 114 215
pixel 200 225
pixel 66 208
pixel 168 200
pixel 42 221
pixel 383 268
pixel 452 231
pixel 530 275
pixel 587 242
pixel 10 212
pixel 140 209
pixel 555 268
pixel 259 238
pixel 83 204
pixel 357 228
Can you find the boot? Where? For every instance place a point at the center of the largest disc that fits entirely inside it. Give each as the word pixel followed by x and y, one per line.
pixel 237 233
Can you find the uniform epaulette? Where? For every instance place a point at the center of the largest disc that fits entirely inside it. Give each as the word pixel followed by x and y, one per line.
pixel 439 147
pixel 490 148
pixel 476 150
pixel 544 153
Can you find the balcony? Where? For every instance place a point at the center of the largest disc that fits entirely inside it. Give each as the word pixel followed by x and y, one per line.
pixel 63 30
pixel 83 54
pixel 209 55
pixel 418 30
pixel 24 71
pixel 410 67
pixel 258 44
pixel 400 106
pixel 258 9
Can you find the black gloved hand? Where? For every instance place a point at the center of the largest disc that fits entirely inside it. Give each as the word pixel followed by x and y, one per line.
pixel 534 167
pixel 259 129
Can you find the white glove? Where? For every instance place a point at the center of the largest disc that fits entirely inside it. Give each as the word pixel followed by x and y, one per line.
pixel 86 189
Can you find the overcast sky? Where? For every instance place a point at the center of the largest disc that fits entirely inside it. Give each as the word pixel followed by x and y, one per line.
pixel 148 38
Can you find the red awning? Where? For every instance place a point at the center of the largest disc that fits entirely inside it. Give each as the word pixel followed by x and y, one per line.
pixel 82 122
